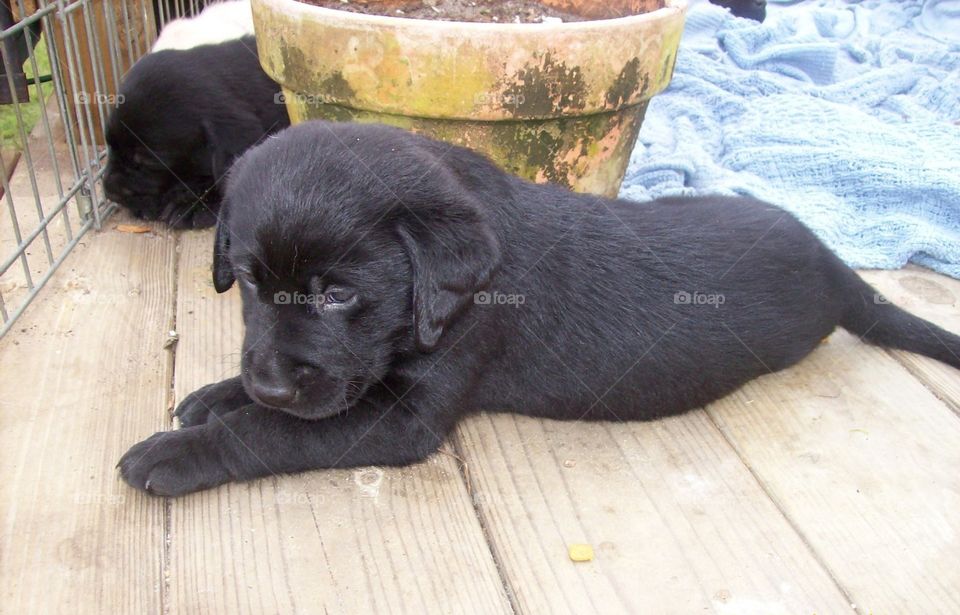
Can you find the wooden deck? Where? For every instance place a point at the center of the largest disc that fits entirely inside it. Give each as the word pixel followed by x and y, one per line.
pixel 832 487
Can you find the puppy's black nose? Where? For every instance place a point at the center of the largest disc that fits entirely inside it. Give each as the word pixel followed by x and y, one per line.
pixel 273 394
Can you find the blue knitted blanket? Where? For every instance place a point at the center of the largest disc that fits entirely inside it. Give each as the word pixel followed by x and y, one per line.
pixel 846 114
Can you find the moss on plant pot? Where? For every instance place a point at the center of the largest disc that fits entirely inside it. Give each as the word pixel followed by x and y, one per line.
pixel 560 102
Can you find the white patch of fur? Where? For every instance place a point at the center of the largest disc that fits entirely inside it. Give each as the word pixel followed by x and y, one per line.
pixel 217 23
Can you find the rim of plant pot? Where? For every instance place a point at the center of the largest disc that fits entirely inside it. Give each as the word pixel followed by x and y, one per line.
pixel 468 70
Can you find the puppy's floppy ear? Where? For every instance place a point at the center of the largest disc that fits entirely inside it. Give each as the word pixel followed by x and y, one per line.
pixel 223 277
pixel 453 253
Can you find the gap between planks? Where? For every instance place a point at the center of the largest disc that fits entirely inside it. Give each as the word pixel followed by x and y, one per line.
pixel 170 405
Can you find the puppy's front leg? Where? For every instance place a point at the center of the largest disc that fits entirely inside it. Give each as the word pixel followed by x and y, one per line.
pixel 211 401
pixel 255 441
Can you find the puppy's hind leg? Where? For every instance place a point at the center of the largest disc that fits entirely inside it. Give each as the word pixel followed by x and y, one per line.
pixel 212 401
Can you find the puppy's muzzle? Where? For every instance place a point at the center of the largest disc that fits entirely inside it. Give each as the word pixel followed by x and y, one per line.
pixel 274 394
pixel 276 382
pixel 270 384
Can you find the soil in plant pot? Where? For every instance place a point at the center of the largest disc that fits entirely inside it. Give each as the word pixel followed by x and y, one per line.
pixel 493 11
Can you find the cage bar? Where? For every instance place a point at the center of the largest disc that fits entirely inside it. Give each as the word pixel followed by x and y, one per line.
pixel 73 72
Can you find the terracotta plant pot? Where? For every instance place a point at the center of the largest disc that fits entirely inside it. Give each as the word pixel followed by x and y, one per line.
pixel 559 102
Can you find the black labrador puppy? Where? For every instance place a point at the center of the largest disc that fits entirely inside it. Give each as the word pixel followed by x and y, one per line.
pixel 393 284
pixel 183 117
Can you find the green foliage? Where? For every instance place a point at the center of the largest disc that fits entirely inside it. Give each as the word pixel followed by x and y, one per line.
pixel 29 111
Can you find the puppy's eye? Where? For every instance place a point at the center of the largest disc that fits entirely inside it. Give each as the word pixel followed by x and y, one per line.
pixel 337 295
pixel 331 296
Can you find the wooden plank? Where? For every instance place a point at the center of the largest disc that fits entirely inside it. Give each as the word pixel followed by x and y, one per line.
pixel 84 375
pixel 863 459
pixel 936 298
pixel 362 541
pixel 677 523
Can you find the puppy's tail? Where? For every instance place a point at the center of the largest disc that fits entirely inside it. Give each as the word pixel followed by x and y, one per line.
pixel 871 316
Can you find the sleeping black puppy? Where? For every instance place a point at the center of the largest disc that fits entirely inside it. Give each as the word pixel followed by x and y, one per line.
pixel 184 116
pixel 393 284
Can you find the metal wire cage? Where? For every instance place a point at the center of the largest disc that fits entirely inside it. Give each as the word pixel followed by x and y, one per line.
pixel 63 62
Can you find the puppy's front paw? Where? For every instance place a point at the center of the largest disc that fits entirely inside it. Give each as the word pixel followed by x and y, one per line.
pixel 212 401
pixel 174 463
